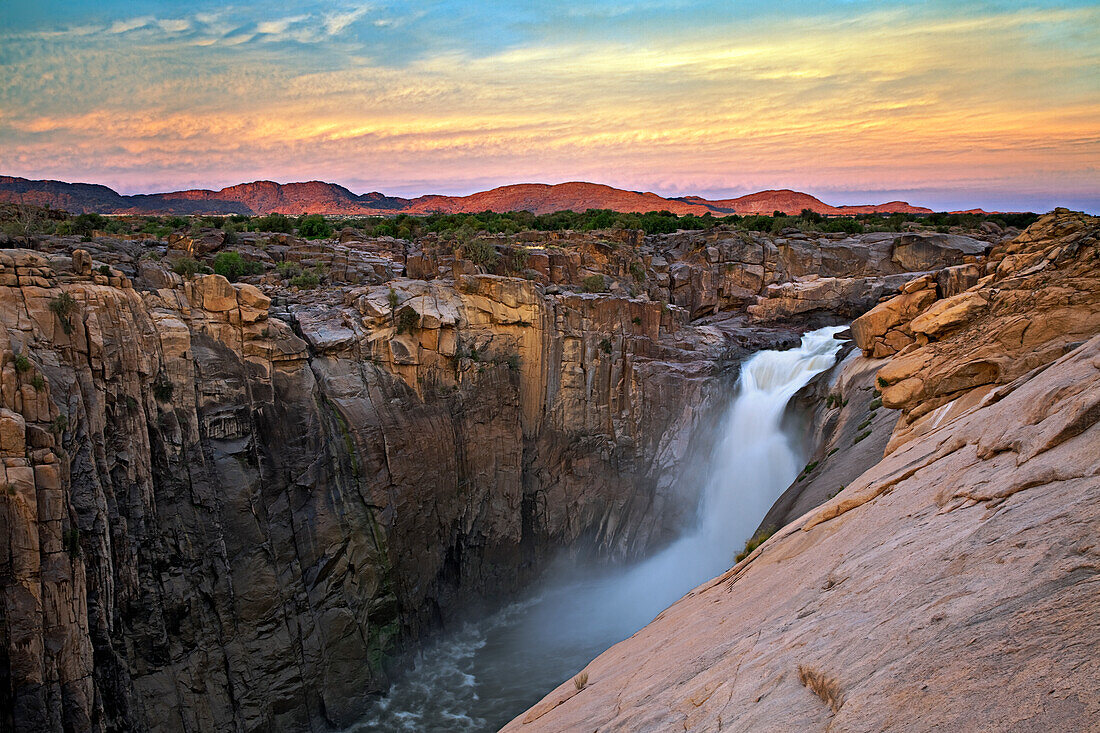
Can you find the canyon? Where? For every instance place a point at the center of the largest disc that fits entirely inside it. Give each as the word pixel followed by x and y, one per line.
pixel 318 197
pixel 231 505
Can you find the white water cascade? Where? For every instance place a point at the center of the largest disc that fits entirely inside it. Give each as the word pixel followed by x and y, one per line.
pixel 482 675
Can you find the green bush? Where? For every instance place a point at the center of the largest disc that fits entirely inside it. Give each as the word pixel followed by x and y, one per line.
pixel 288 270
pixel 63 306
pixel 594 284
pixel 187 267
pixel 306 281
pixel 408 321
pixel 232 266
pixel 272 223
pixel 38 383
pixel 482 253
pixel 753 542
pixel 605 346
pixel 314 226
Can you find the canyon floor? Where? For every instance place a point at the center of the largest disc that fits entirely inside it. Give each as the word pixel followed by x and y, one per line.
pixel 231 505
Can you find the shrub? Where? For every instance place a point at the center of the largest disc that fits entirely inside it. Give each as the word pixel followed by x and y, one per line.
pixel 63 307
pixel 306 280
pixel 105 270
pixel 825 687
pixel 580 680
pixel 232 266
pixel 314 226
pixel 875 404
pixel 482 253
pixel 636 321
pixel 22 363
pixel 860 437
pixel 187 267
pixel 38 383
pixel 230 236
pixel 288 270
pixel 594 284
pixel 408 321
pixel 71 542
pixel 272 223
pixel 605 346
pixel 163 388
pixel 517 259
pixel 882 383
pixel 753 542
pixel 392 298
pixel 85 224
pixel 637 271
pixel 60 424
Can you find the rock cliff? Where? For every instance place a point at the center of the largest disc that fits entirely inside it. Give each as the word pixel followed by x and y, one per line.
pixel 226 505
pixel 952 583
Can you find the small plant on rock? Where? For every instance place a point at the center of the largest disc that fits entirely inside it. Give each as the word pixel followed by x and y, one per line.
pixel 753 542
pixel 408 321
pixel 594 284
pixel 580 681
pixel 163 388
pixel 22 363
pixel 63 306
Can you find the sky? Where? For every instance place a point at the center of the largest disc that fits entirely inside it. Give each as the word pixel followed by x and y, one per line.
pixel 946 104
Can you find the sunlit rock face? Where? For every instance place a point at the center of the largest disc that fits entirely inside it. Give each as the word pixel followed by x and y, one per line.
pixel 946 579
pixel 228 504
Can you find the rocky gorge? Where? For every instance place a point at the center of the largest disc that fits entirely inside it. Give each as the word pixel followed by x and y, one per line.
pixel 227 505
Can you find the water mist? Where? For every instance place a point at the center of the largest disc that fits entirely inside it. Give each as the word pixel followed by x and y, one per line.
pixel 482 675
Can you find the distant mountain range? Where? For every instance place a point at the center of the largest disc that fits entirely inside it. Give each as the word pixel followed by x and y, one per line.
pixel 318 197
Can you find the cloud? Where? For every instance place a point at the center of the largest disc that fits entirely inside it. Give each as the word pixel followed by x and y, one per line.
pixel 276 27
pixel 878 100
pixel 176 25
pixel 336 22
pixel 130 24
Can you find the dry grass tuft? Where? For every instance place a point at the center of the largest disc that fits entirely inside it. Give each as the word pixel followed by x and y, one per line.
pixel 825 687
pixel 580 680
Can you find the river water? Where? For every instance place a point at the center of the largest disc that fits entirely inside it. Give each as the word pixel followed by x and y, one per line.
pixel 479 676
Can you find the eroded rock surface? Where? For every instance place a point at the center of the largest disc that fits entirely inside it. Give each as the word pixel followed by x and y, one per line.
pixel 953 584
pixel 226 505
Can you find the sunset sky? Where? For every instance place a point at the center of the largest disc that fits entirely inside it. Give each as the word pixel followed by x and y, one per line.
pixel 945 104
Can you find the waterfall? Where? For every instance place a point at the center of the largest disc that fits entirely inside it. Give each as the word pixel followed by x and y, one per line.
pixel 506 662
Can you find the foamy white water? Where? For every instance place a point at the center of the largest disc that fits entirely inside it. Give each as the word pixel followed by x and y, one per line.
pixel 482 675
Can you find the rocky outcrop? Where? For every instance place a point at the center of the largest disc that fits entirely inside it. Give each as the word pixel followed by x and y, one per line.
pixel 230 503
pixel 223 513
pixel 952 583
pixel 1039 297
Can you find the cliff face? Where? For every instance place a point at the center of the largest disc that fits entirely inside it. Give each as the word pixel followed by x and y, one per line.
pixel 216 518
pixel 225 506
pixel 952 584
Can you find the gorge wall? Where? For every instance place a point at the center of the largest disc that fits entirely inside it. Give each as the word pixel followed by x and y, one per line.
pixel 952 582
pixel 225 505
